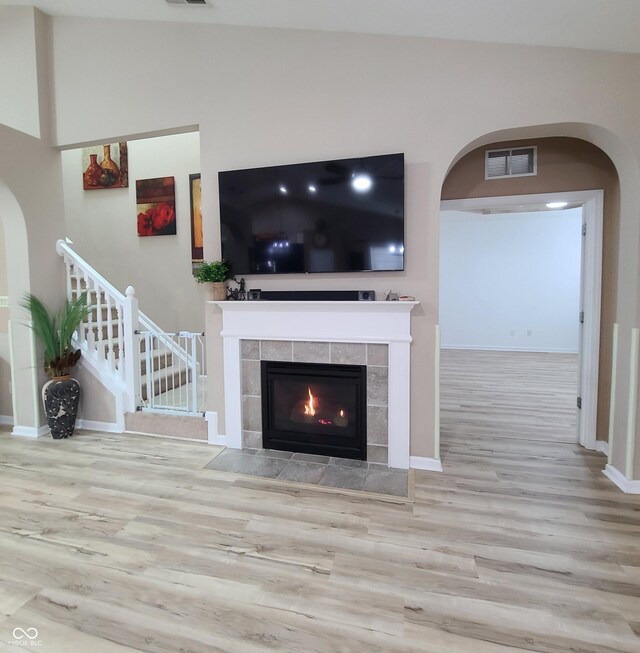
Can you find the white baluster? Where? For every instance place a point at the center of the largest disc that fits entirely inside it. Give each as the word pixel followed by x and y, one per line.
pixel 91 336
pixel 110 334
pixel 120 323
pixel 67 265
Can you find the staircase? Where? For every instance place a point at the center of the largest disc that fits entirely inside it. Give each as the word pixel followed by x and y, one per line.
pixel 149 370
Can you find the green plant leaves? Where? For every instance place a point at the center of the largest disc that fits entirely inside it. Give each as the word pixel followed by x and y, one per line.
pixel 213 271
pixel 55 331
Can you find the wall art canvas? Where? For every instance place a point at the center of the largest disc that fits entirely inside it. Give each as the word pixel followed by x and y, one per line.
pixel 197 249
pixel 105 166
pixel 156 206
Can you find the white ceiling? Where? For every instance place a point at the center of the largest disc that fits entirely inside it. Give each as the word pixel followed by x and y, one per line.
pixel 593 24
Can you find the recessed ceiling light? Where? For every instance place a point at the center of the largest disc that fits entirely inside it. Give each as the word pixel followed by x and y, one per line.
pixel 283 190
pixel 556 205
pixel 312 188
pixel 362 183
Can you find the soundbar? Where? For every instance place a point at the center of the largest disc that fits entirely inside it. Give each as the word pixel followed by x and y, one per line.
pixel 311 295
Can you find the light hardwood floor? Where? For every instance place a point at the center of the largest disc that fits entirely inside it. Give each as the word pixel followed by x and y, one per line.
pixel 116 543
pixel 509 394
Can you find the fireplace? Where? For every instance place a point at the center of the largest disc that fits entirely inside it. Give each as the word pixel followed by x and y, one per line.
pixel 315 408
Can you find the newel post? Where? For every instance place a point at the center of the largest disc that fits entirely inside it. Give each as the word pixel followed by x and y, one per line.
pixel 131 350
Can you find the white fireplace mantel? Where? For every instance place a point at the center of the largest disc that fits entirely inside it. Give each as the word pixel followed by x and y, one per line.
pixel 321 321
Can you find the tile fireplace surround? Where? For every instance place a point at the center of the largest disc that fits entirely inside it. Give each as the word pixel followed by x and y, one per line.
pixel 375 334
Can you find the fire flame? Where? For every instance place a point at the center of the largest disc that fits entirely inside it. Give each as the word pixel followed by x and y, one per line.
pixel 309 408
pixel 342 413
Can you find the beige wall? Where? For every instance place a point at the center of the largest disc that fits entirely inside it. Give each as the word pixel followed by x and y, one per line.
pixel 564 164
pixel 31 211
pixel 19 109
pixel 263 96
pixel 97 403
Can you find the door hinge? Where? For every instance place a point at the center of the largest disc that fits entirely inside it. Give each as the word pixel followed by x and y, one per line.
pixel 579 402
pixel 584 229
pixel 581 317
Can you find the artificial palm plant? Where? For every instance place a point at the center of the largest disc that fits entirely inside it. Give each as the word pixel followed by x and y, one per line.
pixel 55 331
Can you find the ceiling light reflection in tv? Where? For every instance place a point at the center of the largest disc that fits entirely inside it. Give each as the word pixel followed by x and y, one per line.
pixel 345 215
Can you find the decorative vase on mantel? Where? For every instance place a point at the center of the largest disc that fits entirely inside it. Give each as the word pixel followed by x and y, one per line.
pixel 218 291
pixel 61 397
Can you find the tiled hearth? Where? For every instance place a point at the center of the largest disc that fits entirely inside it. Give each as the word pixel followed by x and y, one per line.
pixel 374 356
pixel 311 469
pixel 375 334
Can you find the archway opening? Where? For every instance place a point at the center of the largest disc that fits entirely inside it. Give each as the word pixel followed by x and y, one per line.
pixel 19 372
pixel 564 165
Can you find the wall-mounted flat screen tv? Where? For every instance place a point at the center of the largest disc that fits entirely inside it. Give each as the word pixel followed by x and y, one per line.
pixel 345 215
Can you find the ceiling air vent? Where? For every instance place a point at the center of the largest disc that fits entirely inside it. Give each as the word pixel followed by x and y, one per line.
pixel 516 162
pixel 188 2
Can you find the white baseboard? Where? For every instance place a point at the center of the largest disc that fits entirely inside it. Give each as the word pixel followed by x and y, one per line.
pixel 602 446
pixel 428 464
pixel 213 437
pixel 166 437
pixel 7 420
pixel 93 425
pixel 30 431
pixel 537 350
pixel 627 486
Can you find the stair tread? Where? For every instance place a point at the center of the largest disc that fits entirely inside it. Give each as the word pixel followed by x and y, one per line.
pixel 166 371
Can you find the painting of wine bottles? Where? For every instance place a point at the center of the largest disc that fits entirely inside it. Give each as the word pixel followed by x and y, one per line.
pixel 105 166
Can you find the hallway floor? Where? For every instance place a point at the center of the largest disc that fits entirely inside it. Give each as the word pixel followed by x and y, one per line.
pixel 509 394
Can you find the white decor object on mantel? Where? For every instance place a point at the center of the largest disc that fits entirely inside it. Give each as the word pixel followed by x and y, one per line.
pixel 320 321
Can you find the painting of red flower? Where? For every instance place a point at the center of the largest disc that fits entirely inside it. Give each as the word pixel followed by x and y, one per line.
pixel 156 206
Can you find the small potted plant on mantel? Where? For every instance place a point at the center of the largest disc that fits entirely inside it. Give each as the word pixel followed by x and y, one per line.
pixel 216 273
pixel 61 394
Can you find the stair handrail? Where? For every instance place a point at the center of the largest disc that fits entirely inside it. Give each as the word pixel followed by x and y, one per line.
pixel 129 320
pixel 63 249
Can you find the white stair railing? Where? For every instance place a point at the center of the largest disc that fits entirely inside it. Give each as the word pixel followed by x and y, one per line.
pixel 108 339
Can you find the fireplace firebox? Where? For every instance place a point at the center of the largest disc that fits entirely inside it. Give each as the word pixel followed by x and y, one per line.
pixel 315 408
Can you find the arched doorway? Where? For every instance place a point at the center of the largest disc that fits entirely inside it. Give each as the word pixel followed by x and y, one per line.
pixel 24 381
pixel 562 158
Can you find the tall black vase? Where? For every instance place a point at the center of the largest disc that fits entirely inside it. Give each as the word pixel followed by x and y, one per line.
pixel 61 397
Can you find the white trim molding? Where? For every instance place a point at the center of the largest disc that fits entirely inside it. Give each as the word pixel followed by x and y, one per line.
pixel 6 420
pixel 213 437
pixel 603 447
pixel 612 401
pixel 632 408
pixel 427 464
pixel 322 321
pixel 30 431
pixel 436 385
pixel 627 486
pixel 94 425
